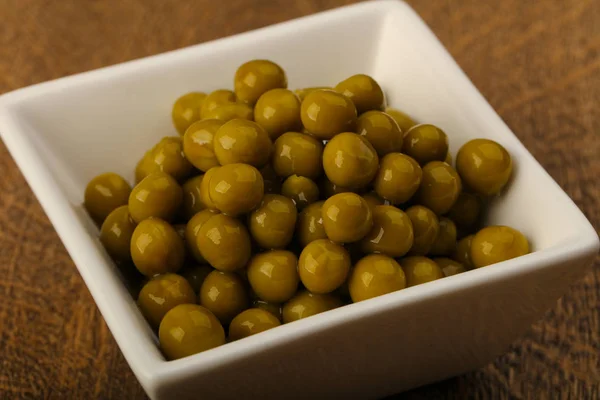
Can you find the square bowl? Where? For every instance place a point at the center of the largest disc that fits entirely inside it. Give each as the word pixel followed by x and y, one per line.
pixel 64 132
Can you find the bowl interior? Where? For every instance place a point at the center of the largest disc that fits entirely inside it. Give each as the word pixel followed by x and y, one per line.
pixel 106 122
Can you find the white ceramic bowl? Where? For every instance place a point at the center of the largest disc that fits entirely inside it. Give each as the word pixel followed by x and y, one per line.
pixel 62 133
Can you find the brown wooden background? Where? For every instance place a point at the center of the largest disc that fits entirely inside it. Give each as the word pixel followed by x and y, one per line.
pixel 537 62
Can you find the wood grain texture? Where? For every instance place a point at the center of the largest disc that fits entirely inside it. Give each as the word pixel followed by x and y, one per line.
pixel 537 62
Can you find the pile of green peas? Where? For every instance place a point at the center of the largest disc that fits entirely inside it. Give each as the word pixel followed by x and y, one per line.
pixel 273 205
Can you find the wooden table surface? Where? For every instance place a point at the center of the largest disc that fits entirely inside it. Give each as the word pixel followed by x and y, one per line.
pixel 537 62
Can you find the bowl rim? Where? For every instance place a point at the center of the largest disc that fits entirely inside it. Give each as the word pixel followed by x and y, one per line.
pixel 149 366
